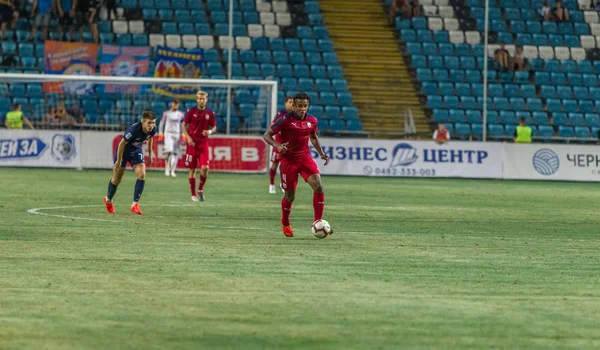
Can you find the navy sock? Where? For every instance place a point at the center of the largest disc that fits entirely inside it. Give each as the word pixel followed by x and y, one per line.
pixel 139 188
pixel 112 189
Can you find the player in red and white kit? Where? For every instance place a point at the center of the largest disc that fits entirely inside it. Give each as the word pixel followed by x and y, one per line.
pixel 199 123
pixel 296 128
pixel 289 106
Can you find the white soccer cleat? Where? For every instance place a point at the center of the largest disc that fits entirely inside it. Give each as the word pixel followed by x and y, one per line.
pixel 166 172
pixel 272 189
pixel 195 199
pixel 173 174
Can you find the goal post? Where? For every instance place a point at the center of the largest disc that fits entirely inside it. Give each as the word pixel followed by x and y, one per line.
pixel 243 108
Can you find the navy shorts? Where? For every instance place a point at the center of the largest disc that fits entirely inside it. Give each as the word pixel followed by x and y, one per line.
pixel 133 158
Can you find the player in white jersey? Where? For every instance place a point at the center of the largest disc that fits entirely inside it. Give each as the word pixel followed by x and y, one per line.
pixel 170 131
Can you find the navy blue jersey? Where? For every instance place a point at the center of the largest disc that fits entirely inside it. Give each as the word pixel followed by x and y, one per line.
pixel 135 137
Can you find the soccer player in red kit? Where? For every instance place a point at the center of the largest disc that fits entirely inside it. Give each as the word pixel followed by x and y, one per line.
pixel 289 106
pixel 296 128
pixel 199 123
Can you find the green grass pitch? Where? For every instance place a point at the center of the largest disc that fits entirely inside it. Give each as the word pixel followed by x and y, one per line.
pixel 413 263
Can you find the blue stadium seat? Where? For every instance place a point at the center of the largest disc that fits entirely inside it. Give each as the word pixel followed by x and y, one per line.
pixel 247 56
pixel 419 22
pixel 457 116
pixel 582 29
pixel 350 113
pixel 590 80
pixel 533 27
pixel 564 91
pixel 468 102
pixel 289 83
pixel 569 106
pixel 430 48
pixel 315 58
pixel 325 45
pixel 429 88
pixel 592 120
pixel 451 102
pixel 446 88
pixel 280 57
pixel 332 112
pixel 321 32
pixel 309 45
pixel 566 131
pixel 550 27
pixel 354 125
pixel 218 17
pixel 260 43
pixel 328 98
pixel 408 35
pixel 424 35
pixel 424 74
pixel 440 115
pixel 440 75
pixel 301 71
pixel 560 118
pixel 462 130
pixel 495 130
pixel 457 75
pixel 577 119
pixel 297 57
pixel 582 132
pixel 285 70
pixel 263 56
pixel 463 89
pixel 344 99
pixel 305 84
pixel 304 32
pixel 179 4
pixel 441 36
pixel 339 85
pixel 267 69
pixel 214 68
pixel 202 29
pixel 318 72
pixel 434 102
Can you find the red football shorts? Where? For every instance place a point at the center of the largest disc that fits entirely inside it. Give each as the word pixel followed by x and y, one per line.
pixel 196 153
pixel 275 156
pixel 290 169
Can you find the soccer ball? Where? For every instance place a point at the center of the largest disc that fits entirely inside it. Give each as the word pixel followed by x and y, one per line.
pixel 321 229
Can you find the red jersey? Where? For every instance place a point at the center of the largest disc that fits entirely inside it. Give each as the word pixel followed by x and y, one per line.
pixel 277 137
pixel 295 132
pixel 198 121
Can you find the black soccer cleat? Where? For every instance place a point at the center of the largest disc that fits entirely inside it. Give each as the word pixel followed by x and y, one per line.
pixel 201 196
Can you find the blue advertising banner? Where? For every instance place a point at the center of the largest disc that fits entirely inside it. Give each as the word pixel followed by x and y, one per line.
pixel 172 63
pixel 124 61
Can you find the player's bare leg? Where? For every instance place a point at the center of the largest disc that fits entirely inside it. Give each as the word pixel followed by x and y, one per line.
pixel 192 180
pixel 272 174
pixel 203 177
pixel 140 173
pixel 318 196
pixel 112 189
pixel 286 210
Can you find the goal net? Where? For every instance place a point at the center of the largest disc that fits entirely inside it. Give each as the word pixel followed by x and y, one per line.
pixel 243 108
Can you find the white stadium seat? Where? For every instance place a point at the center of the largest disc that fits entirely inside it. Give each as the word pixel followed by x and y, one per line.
pixel 451 24
pixel 530 52
pixel 588 41
pixel 472 37
pixel 262 6
pixel 173 40
pixel 280 6
pixel 136 27
pixel 430 10
pixel 272 31
pixel 189 41
pixel 446 11
pixel 206 41
pixel 546 52
pixel 120 27
pixel 591 16
pixel 435 23
pixel 157 40
pixel 243 42
pixel 255 30
pixel 457 37
pixel 562 53
pixel 225 41
pixel 578 54
pixel 267 18
pixel 284 19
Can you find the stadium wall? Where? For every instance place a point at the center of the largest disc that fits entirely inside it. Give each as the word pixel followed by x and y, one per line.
pixel 355 157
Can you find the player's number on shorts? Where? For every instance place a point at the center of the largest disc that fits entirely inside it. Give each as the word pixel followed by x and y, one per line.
pixel 141 157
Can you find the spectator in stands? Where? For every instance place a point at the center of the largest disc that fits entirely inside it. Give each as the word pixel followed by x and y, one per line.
pixel 111 7
pixel 441 135
pixel 523 132
pixel 76 112
pixel 87 14
pixel 414 8
pixel 546 12
pixel 596 5
pixel 561 14
pixel 58 118
pixel 396 8
pixel 519 61
pixel 15 118
pixel 41 10
pixel 66 16
pixel 7 11
pixel 502 56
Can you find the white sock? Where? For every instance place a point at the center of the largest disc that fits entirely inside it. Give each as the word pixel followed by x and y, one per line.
pixel 173 162
pixel 167 162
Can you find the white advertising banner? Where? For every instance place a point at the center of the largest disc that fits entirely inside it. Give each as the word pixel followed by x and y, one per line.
pixel 40 148
pixel 551 162
pixel 404 158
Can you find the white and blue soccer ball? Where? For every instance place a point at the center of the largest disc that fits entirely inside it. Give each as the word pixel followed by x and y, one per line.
pixel 321 229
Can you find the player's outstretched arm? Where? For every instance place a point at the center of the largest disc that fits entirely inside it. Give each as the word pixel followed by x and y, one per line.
pixel 269 138
pixel 314 139
pixel 120 150
pixel 28 123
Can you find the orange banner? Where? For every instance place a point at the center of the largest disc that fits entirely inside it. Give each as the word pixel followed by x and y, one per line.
pixel 72 59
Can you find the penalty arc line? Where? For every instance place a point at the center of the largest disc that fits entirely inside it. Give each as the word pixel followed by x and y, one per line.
pixel 38 211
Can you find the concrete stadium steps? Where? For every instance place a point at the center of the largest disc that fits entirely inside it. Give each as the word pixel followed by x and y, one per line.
pixel 377 76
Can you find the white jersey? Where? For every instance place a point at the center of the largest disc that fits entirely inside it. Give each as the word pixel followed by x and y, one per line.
pixel 171 122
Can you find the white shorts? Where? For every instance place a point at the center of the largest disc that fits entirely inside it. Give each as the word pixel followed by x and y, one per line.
pixel 171 143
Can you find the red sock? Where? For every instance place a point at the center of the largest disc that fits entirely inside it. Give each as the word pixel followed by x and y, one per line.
pixel 193 186
pixel 272 174
pixel 318 205
pixel 202 182
pixel 286 210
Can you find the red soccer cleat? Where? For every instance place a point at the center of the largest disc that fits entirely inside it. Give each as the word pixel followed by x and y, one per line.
pixel 287 230
pixel 135 208
pixel 109 206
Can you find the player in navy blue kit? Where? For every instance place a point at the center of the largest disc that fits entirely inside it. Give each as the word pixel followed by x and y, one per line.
pixel 130 151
